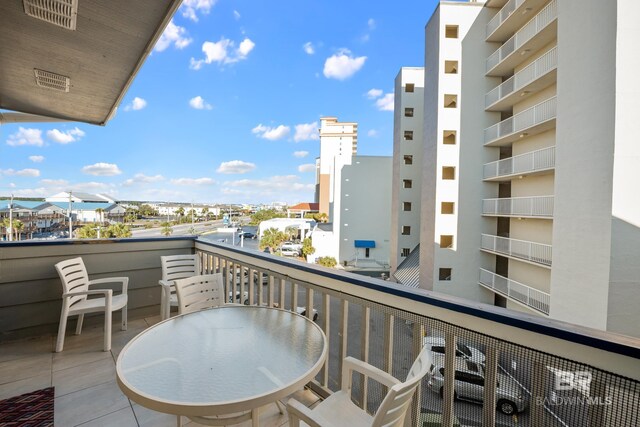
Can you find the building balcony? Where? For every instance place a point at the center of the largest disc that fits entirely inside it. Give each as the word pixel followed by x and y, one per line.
pixel 381 322
pixel 513 15
pixel 534 120
pixel 532 252
pixel 532 163
pixel 531 79
pixel 515 291
pixel 535 34
pixel 520 207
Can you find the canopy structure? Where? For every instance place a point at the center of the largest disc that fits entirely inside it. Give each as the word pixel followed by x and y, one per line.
pixel 74 59
pixel 364 243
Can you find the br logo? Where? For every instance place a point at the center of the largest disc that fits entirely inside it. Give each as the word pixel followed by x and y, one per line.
pixel 572 380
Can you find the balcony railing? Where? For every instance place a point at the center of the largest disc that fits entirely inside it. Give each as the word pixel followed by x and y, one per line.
pixel 532 162
pixel 531 297
pixel 526 207
pixel 538 68
pixel 525 34
pixel 371 319
pixel 521 122
pixel 521 249
pixel 501 16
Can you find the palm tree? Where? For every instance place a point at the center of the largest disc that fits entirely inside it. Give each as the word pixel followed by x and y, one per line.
pixel 205 213
pixel 272 238
pixel 87 232
pixel 119 230
pixel 166 228
pixel 100 213
pixel 18 226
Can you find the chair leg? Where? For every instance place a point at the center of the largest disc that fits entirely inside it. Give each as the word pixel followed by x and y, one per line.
pixel 162 303
pixel 79 324
pixel 107 330
pixel 62 329
pixel 124 318
pixel 280 406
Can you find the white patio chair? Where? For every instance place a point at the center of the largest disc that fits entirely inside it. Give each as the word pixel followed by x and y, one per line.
pixel 75 290
pixel 339 410
pixel 199 292
pixel 175 267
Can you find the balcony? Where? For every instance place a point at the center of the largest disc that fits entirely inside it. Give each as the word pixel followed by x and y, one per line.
pixel 531 79
pixel 516 291
pixel 520 207
pixel 534 120
pixel 512 16
pixel 535 34
pixel 532 163
pixel 373 320
pixel 535 253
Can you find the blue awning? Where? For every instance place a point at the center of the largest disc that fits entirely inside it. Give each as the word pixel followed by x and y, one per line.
pixel 365 243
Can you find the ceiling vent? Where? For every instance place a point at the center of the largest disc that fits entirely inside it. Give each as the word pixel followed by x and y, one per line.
pixel 52 80
pixel 62 13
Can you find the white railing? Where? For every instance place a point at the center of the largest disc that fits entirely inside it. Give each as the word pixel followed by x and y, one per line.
pixel 526 33
pixel 533 161
pixel 530 73
pixel 531 297
pixel 501 16
pixel 546 110
pixel 535 207
pixel 521 249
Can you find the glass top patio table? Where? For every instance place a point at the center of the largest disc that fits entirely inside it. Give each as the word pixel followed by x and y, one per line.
pixel 221 361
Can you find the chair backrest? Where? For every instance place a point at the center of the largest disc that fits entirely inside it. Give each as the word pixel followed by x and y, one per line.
pixel 393 409
pixel 74 277
pixel 200 292
pixel 179 266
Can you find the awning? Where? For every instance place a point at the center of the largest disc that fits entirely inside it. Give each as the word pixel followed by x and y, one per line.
pixel 365 243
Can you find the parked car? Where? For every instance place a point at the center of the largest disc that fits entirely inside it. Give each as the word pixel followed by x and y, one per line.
pixel 469 385
pixel 248 235
pixel 289 252
pixel 464 351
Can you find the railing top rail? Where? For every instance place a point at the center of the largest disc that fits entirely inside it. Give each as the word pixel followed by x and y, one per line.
pixel 520 198
pixel 59 242
pixel 514 240
pixel 519 156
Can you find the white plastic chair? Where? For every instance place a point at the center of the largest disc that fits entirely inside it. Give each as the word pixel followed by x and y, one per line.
pixel 75 290
pixel 339 410
pixel 200 292
pixel 175 267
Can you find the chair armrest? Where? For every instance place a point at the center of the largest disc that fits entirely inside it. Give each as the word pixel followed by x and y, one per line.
pixel 108 293
pixel 123 280
pixel 301 412
pixel 351 364
pixel 166 284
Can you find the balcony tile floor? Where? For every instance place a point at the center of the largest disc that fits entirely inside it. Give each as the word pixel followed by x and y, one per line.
pixel 86 393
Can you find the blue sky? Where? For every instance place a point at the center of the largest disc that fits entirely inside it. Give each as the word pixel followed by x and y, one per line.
pixel 226 108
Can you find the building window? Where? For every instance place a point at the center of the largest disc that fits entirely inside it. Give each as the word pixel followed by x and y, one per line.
pixel 444 274
pixel 451 67
pixel 451 31
pixel 408 135
pixel 450 101
pixel 446 241
pixel 449 137
pixel 409 87
pixel 448 172
pixel 408 159
pixel 407 183
pixel 406 230
pixel 406 252
pixel 408 112
pixel 447 208
pixel 366 252
pixel 406 206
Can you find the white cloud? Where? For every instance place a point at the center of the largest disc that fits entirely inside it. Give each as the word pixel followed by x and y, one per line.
pixel 342 65
pixel 65 137
pixel 223 52
pixel 385 103
pixel 307 167
pixel 191 8
pixel 102 169
pixel 173 35
pixel 136 104
pixel 308 48
pixel 235 167
pixel 300 154
pixel 199 103
pixel 236 15
pixel 371 23
pixel 26 136
pixel 272 134
pixel 21 172
pixel 306 131
pixel 54 182
pixel 140 178
pixel 374 93
pixel 285 182
pixel 36 159
pixel 372 133
pixel 193 181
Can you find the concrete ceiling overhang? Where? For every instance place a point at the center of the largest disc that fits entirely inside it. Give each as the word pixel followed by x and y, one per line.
pixel 101 57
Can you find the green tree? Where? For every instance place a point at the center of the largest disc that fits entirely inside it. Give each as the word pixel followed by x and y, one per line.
pixel 87 232
pixel 18 226
pixel 166 228
pixel 147 210
pixel 130 215
pixel 291 232
pixel 272 238
pixel 119 230
pixel 180 211
pixel 100 213
pixel 264 215
pixel 327 261
pixel 307 248
pixel 205 213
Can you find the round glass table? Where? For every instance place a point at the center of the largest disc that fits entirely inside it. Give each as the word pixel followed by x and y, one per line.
pixel 228 360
